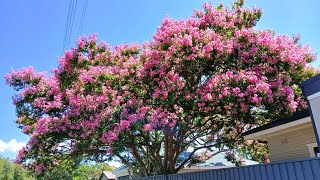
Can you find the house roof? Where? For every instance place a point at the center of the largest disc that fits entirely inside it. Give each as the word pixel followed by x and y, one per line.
pixel 296 116
pixel 310 80
pixel 121 167
pixel 107 174
pixel 220 160
pixel 310 86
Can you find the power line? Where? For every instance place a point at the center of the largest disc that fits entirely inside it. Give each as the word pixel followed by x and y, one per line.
pixel 67 26
pixel 70 21
pixel 73 15
pixel 83 14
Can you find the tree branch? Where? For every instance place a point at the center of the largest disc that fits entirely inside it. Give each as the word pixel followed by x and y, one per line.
pixel 192 153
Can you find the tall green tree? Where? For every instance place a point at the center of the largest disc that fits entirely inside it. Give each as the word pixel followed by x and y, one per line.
pixel 11 171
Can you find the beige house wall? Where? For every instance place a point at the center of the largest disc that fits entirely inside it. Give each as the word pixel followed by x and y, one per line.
pixel 291 143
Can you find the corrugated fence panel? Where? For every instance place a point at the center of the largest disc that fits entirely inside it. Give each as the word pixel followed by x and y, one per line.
pixel 263 170
pixel 315 164
pixel 291 171
pixel 298 170
pixel 307 171
pixel 268 172
pixel 284 172
pixel 301 169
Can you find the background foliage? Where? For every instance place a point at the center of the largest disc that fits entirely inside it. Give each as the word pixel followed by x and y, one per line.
pixel 12 171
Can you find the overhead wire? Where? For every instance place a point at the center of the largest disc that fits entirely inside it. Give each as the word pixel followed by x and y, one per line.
pixel 83 15
pixel 67 26
pixel 71 23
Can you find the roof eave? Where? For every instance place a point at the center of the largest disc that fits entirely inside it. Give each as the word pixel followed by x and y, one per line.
pixel 263 134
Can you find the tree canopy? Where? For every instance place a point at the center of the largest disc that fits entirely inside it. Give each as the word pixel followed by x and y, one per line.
pixel 197 85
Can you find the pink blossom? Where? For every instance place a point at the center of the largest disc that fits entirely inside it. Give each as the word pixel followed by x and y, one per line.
pixel 148 127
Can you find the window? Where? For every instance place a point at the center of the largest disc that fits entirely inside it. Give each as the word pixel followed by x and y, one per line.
pixel 313 150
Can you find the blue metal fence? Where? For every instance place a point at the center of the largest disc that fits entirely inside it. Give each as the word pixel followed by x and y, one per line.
pixel 301 169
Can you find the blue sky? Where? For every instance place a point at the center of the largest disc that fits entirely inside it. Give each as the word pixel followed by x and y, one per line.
pixel 32 35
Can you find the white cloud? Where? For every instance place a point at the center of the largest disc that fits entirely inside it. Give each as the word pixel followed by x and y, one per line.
pixel 11 146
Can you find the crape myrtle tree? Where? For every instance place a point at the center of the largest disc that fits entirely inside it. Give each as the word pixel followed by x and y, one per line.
pixel 196 86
